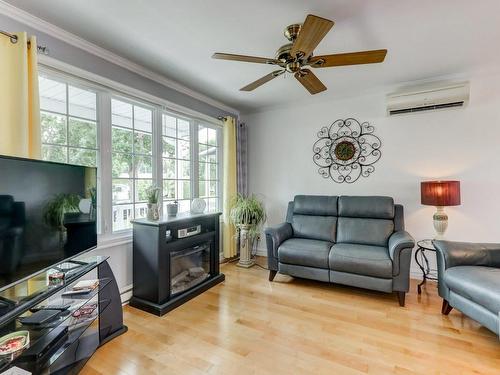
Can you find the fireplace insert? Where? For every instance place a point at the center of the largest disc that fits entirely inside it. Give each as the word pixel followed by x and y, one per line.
pixel 189 267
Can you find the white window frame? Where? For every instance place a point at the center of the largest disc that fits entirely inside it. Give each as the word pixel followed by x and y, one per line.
pixel 105 90
pixel 154 154
pixel 67 116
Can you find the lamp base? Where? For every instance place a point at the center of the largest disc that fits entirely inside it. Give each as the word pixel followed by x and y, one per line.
pixel 440 222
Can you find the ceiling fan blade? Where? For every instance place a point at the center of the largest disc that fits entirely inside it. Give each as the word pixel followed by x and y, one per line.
pixel 310 81
pixel 244 58
pixel 261 81
pixel 311 33
pixel 352 58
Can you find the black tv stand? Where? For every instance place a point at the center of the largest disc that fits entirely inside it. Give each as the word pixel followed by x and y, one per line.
pixel 70 350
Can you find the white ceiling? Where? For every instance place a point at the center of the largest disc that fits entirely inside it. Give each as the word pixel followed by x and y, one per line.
pixel 425 39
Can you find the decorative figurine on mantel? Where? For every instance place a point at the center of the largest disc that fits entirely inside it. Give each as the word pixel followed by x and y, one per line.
pixel 153 195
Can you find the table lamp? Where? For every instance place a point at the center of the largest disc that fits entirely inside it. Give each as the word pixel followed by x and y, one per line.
pixel 440 194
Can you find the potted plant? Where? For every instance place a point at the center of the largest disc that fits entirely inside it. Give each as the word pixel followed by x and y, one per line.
pixel 153 194
pixel 56 208
pixel 248 215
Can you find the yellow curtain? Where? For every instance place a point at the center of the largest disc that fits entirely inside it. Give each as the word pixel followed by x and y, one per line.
pixel 229 186
pixel 19 100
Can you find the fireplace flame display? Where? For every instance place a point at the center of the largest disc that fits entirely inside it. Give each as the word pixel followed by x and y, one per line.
pixel 189 268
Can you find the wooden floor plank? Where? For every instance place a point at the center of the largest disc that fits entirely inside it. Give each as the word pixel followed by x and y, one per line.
pixel 248 325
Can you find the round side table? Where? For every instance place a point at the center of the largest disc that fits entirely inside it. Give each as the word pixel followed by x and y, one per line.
pixel 423 262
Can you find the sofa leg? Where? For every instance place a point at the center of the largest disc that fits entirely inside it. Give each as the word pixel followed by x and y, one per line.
pixel 401 298
pixel 446 308
pixel 272 273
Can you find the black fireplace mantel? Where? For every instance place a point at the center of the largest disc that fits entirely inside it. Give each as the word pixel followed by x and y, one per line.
pixel 154 242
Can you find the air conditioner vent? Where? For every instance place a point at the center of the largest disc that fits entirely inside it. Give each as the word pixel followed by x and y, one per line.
pixel 428 98
pixel 426 108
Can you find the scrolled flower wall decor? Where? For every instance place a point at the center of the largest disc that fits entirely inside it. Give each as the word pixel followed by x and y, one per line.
pixel 346 150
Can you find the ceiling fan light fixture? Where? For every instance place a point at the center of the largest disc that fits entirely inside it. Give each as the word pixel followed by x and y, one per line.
pixel 293 66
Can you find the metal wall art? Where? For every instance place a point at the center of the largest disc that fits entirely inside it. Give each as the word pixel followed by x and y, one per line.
pixel 346 150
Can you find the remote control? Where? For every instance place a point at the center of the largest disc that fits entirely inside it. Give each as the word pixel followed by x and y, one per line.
pixel 51 307
pixel 76 292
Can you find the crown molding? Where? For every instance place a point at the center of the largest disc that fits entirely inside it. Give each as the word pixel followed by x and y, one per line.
pixel 74 40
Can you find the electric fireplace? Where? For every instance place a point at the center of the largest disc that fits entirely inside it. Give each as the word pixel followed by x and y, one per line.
pixel 175 259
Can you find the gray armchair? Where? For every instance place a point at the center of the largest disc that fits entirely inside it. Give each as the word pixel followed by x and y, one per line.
pixel 357 241
pixel 469 280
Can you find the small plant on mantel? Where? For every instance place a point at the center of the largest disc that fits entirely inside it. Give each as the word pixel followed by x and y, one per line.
pixel 153 195
pixel 248 214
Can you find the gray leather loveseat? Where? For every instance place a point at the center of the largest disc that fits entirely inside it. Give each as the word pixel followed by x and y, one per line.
pixel 357 241
pixel 469 280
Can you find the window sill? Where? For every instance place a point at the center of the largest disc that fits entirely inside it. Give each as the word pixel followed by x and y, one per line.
pixel 104 242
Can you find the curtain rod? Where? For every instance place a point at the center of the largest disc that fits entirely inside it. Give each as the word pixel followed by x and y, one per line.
pixel 14 38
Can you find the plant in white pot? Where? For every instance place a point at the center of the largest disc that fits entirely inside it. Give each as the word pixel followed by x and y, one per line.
pixel 248 215
pixel 153 195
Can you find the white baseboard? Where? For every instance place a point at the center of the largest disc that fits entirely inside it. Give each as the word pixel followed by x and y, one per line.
pixel 126 294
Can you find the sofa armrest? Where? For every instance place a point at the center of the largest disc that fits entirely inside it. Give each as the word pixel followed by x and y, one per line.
pixel 452 254
pixel 399 241
pixel 275 236
pixel 468 254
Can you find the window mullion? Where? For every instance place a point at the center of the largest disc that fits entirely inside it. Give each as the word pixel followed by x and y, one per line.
pixel 105 163
pixel 157 153
pixel 220 167
pixel 67 123
pixel 195 185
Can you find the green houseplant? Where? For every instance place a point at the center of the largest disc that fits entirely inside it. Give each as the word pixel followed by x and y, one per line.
pixel 153 195
pixel 56 208
pixel 247 214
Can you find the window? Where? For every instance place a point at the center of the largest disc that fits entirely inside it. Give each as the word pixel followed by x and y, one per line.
pixel 69 124
pixel 208 158
pixel 135 144
pixel 132 160
pixel 176 150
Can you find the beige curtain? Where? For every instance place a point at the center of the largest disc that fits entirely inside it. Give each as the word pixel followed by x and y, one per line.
pixel 229 186
pixel 19 100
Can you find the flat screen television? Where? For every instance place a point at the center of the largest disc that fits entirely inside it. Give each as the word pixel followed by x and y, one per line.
pixel 47 215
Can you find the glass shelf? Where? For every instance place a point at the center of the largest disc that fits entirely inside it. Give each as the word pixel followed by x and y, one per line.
pixel 64 319
pixel 79 329
pixel 27 293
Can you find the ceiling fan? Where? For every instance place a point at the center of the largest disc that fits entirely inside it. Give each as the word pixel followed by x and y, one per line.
pixel 294 57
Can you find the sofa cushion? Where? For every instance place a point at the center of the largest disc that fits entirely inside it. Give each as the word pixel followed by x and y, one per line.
pixel 477 283
pixel 305 252
pixel 362 231
pixel 319 205
pixel 361 259
pixel 368 207
pixel 314 227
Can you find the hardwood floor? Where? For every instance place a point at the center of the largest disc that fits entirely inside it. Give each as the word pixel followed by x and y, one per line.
pixel 248 325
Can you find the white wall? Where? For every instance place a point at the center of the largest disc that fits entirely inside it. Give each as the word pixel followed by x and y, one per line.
pixel 119 252
pixel 461 144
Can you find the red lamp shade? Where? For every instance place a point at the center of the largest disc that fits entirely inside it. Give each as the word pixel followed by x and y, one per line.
pixel 440 193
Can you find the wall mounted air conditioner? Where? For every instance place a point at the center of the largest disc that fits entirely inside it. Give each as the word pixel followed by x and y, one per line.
pixel 429 97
